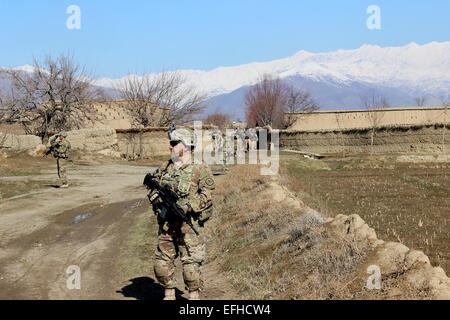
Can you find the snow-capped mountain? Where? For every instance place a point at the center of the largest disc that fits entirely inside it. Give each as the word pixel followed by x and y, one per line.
pixel 415 66
pixel 337 79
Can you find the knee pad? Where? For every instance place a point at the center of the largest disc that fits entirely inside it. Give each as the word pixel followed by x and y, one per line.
pixel 164 273
pixel 192 276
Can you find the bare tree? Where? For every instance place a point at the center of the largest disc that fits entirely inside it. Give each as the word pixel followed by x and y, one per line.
pixel 9 112
pixel 4 118
pixel 56 96
pixel 297 101
pixel 265 102
pixel 374 104
pixel 2 108
pixel 272 102
pixel 160 100
pixel 218 119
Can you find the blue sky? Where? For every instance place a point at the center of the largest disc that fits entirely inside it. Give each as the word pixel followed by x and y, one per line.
pixel 119 37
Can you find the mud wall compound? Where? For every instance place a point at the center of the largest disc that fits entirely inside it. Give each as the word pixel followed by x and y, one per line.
pixel 432 139
pixel 86 140
pixel 153 142
pixel 149 142
pixel 146 143
pixel 18 143
pixel 93 140
pixel 363 119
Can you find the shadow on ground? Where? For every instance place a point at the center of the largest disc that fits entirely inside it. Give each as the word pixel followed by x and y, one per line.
pixel 145 288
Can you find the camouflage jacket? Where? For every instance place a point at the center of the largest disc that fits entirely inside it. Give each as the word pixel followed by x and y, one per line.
pixel 193 184
pixel 60 149
pixel 252 136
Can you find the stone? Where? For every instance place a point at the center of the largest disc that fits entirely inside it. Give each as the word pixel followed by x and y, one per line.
pixel 415 258
pixel 430 278
pixel 354 227
pixel 39 151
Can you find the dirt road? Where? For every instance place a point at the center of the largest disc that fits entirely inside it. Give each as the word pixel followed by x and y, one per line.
pixel 100 225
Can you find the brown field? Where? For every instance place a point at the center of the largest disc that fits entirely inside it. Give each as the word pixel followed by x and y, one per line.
pixel 403 202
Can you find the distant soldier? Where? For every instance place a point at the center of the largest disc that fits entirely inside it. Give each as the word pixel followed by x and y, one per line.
pixel 192 183
pixel 228 145
pixel 217 140
pixel 239 147
pixel 60 147
pixel 252 139
pixel 219 151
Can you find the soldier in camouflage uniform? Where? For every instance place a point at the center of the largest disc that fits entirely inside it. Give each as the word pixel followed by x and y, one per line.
pixel 60 147
pixel 252 139
pixel 193 184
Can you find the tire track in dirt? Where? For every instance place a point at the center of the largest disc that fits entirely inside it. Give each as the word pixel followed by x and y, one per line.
pixel 37 267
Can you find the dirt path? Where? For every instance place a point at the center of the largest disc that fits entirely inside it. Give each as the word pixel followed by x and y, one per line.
pixel 91 225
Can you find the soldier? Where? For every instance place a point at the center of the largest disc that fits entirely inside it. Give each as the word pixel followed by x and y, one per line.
pixel 252 139
pixel 60 147
pixel 219 151
pixel 217 138
pixel 240 143
pixel 193 184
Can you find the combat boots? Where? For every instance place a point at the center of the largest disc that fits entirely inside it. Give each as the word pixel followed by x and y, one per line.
pixel 194 295
pixel 169 294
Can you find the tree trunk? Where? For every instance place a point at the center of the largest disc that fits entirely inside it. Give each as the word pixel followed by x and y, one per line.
pixel 371 140
pixel 140 144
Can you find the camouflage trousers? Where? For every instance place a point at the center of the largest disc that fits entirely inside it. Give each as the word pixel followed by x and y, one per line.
pixel 61 165
pixel 179 241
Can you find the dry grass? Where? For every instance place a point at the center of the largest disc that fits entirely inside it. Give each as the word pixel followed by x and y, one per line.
pixel 269 250
pixel 408 203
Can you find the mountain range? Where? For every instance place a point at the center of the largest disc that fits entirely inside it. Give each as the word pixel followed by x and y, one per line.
pixel 337 80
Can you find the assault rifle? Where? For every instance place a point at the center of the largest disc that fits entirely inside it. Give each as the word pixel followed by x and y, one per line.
pixel 52 148
pixel 169 199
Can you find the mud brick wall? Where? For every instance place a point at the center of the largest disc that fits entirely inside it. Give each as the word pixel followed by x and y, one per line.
pixel 18 143
pixel 401 140
pixel 147 143
pixel 92 140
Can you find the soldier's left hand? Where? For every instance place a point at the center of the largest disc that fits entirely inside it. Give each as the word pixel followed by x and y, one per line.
pixel 153 196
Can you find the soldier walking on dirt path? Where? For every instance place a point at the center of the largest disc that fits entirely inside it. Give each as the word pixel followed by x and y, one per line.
pixel 193 184
pixel 60 147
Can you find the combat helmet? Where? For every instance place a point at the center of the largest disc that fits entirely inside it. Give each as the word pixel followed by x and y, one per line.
pixel 63 134
pixel 184 135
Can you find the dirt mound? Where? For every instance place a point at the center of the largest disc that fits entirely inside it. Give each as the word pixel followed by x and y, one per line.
pixel 410 267
pixel 18 143
pixel 278 248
